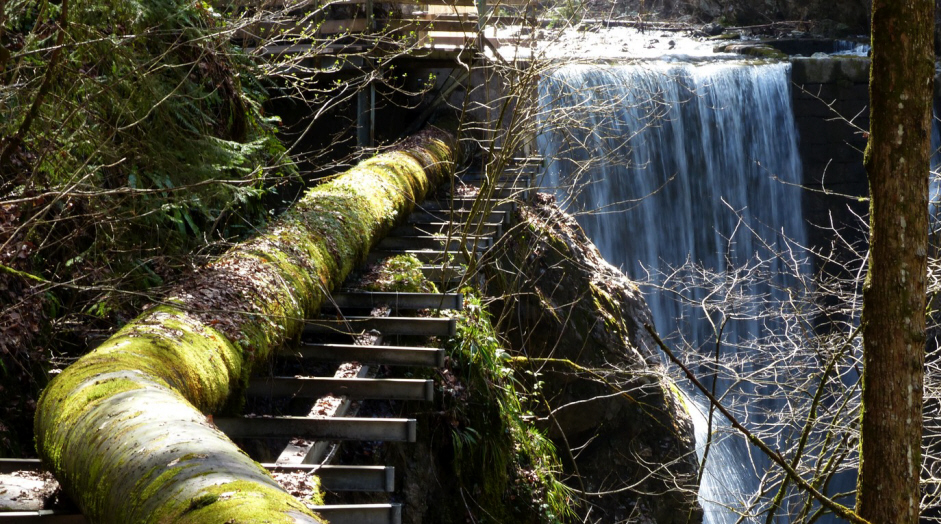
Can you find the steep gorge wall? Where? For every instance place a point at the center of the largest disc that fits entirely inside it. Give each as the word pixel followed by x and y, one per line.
pixel 831 109
pixel 831 101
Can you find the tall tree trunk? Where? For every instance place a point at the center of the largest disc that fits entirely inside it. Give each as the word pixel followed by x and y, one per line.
pixel 124 428
pixel 897 162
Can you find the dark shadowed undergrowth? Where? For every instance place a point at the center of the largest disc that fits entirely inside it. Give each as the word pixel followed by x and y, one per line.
pixel 132 135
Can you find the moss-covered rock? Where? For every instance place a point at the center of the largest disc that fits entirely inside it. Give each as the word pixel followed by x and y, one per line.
pixel 577 325
pixel 124 429
pixel 755 50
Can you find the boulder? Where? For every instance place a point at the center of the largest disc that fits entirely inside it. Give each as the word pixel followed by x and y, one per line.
pixel 576 325
pixel 713 29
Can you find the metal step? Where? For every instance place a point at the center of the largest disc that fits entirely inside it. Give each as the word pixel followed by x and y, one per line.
pixel 43 516
pixel 334 428
pixel 421 326
pixel 458 215
pixel 345 478
pixel 522 172
pixel 533 162
pixel 434 242
pixel 305 451
pixel 438 274
pixel 353 388
pixel 521 158
pixel 521 193
pixel 531 171
pixel 525 172
pixel 461 204
pixel 502 186
pixel 388 355
pixel 432 228
pixel 426 256
pixel 361 513
pixel 9 465
pixel 336 514
pixel 509 191
pixel 395 300
pixel 519 177
pixel 332 478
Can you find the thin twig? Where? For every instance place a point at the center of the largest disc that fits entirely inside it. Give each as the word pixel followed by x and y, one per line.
pixel 837 508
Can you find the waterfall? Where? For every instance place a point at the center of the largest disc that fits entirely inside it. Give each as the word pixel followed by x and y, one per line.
pixel 666 164
pixel 850 48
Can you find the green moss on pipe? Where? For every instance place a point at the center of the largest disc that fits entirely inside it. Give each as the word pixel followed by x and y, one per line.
pixel 124 429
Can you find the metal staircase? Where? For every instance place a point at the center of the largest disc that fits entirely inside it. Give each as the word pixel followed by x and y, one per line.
pixel 326 375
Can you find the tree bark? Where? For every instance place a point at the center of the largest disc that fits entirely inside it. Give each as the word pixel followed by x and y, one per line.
pixel 124 428
pixel 897 162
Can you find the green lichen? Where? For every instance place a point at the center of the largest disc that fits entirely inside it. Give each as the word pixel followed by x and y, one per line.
pixel 79 400
pixel 202 501
pixel 400 273
pixel 242 502
pixel 162 477
pixel 607 308
pixel 677 394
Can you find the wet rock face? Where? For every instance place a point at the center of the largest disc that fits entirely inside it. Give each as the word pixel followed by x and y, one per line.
pixel 580 322
pixel 565 274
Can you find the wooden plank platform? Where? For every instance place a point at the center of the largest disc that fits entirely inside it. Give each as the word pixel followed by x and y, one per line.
pixel 334 428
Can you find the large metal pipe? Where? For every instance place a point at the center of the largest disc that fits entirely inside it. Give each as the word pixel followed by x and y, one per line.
pixel 125 430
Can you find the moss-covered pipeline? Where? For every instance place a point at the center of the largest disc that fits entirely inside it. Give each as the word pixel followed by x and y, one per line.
pixel 124 429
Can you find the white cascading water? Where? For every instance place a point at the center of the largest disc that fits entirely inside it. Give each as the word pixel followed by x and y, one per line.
pixel 676 163
pixel 849 48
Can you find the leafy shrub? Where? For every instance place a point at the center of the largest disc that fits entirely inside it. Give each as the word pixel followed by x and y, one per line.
pixel 496 445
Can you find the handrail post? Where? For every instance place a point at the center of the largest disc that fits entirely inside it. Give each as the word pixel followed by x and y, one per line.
pixel 366 98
